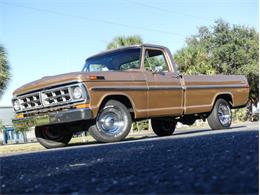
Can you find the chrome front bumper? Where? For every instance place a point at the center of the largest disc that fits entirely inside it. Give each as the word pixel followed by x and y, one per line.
pixel 61 117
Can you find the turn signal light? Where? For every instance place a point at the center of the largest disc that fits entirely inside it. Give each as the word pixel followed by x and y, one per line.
pixel 19 116
pixel 82 106
pixel 93 77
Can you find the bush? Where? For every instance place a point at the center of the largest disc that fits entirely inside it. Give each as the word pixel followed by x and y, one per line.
pixel 241 114
pixel 141 125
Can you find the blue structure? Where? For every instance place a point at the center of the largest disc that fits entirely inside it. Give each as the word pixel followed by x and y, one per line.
pixel 9 135
pixel 12 136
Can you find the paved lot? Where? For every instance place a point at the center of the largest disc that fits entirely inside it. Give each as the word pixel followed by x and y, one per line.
pixel 191 161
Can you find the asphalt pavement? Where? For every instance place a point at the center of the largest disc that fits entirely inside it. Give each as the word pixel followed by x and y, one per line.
pixel 191 161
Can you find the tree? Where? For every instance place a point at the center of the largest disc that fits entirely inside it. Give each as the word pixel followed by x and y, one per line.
pixel 4 70
pixel 222 49
pixel 194 60
pixel 1 126
pixel 120 41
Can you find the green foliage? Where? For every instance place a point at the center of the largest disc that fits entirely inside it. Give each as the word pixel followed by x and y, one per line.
pixel 23 129
pixel 222 49
pixel 4 70
pixel 120 41
pixel 150 63
pixel 141 125
pixel 194 60
pixel 240 114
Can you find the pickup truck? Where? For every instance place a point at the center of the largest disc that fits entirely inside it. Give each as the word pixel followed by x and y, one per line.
pixel 123 85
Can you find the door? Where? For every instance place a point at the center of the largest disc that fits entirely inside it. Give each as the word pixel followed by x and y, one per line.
pixel 165 94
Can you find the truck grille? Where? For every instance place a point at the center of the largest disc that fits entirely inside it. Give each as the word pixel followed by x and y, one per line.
pixel 30 101
pixel 49 98
pixel 56 96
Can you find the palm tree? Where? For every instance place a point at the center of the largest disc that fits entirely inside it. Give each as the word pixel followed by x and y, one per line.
pixel 4 70
pixel 120 41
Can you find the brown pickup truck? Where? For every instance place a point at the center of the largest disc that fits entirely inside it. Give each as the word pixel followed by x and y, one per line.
pixel 120 86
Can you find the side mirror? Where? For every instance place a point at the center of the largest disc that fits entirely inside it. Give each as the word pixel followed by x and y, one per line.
pixel 157 70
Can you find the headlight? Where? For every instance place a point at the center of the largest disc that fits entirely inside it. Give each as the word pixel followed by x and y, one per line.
pixel 16 105
pixel 77 93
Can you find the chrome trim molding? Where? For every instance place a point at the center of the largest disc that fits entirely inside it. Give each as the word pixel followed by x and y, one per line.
pixel 120 88
pixel 119 81
pixel 214 86
pixel 136 88
pixel 153 88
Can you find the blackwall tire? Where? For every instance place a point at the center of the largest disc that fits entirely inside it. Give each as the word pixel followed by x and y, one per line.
pixel 220 116
pixel 53 136
pixel 163 127
pixel 113 123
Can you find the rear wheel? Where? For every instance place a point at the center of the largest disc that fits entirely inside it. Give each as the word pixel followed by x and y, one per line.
pixel 113 123
pixel 163 127
pixel 221 116
pixel 53 136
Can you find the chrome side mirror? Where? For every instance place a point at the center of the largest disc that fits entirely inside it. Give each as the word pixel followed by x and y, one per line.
pixel 157 70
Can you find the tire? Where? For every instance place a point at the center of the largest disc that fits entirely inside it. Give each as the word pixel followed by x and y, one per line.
pixel 188 120
pixel 113 123
pixel 163 127
pixel 220 116
pixel 53 136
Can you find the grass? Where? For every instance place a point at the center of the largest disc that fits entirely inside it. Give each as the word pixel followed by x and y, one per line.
pixel 19 148
pixel 30 147
pixel 33 147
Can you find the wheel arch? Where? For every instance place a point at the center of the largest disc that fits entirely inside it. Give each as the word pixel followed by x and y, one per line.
pixel 226 96
pixel 122 98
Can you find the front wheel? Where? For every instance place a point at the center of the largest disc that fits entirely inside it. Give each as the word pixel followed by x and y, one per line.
pixel 113 123
pixel 163 127
pixel 53 136
pixel 221 116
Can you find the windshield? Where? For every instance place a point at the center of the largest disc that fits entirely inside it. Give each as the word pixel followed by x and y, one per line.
pixel 120 60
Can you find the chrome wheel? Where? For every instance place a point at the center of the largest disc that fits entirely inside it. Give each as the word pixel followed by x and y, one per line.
pixel 112 121
pixel 224 114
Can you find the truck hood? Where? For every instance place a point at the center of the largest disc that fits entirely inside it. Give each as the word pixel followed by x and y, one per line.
pixel 49 81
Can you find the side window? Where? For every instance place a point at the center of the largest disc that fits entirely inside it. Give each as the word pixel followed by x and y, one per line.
pixel 130 65
pixel 155 60
pixel 97 67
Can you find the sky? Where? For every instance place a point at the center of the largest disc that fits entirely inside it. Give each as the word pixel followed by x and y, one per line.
pixel 49 37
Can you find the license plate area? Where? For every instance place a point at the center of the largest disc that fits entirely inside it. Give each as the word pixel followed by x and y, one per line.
pixel 25 123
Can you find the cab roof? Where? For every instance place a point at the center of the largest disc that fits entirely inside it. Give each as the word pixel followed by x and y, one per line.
pixel 125 48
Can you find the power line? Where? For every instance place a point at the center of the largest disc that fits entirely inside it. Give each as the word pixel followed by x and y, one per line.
pixel 91 19
pixel 167 10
